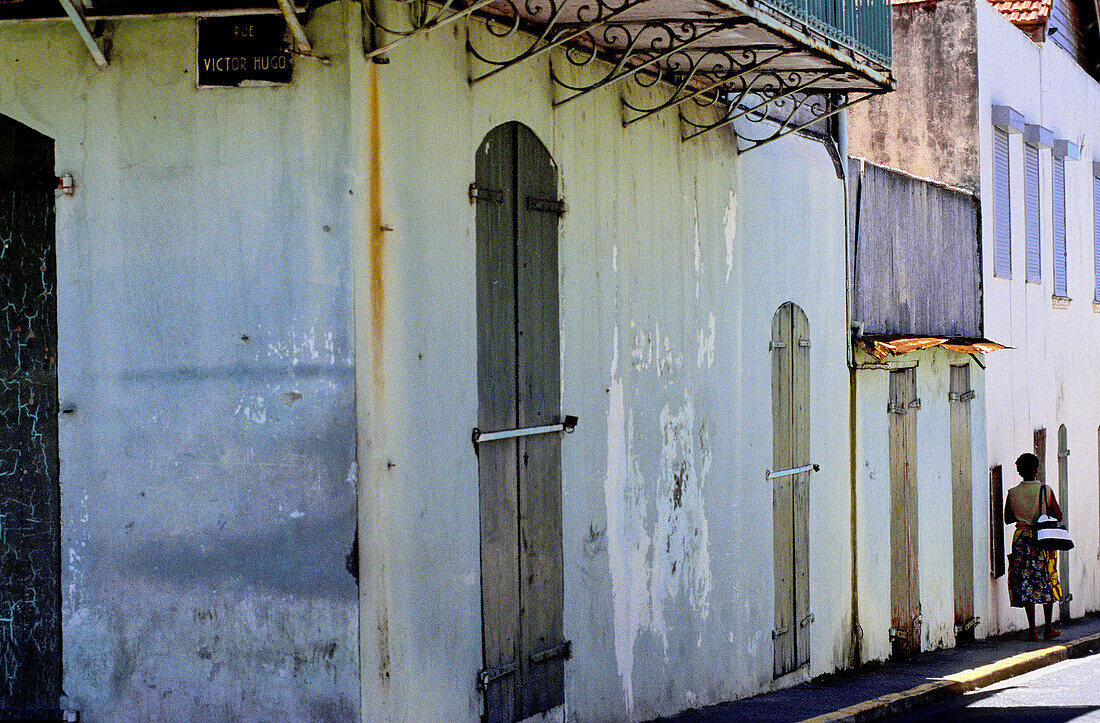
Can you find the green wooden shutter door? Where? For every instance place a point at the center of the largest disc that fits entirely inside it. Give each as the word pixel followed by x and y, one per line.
pixel 962 496
pixel 790 347
pixel 519 386
pixel 904 578
pixel 1063 501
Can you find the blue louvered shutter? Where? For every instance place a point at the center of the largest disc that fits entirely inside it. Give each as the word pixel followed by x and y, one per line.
pixel 1096 233
pixel 1031 212
pixel 1002 209
pixel 1059 216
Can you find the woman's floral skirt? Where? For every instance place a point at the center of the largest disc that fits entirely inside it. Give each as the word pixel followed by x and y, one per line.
pixel 1032 572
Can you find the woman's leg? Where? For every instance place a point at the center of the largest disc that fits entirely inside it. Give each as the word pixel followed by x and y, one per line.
pixel 1029 610
pixel 1048 629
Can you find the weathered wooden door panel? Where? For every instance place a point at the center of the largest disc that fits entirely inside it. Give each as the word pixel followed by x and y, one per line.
pixel 790 352
pixel 539 403
pixel 497 462
pixel 962 499
pixel 30 567
pixel 519 386
pixel 904 579
pixel 1063 501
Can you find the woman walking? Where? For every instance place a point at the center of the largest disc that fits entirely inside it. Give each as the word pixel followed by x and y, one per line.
pixel 1032 571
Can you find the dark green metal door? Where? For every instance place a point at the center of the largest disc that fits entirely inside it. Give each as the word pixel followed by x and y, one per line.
pixel 30 639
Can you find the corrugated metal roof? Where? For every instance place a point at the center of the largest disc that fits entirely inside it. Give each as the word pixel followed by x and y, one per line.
pixel 881 346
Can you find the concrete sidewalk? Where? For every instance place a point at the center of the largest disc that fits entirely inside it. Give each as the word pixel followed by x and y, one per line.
pixel 877 692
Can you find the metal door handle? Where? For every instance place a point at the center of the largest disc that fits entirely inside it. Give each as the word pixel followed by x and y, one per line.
pixel 768 474
pixel 567 426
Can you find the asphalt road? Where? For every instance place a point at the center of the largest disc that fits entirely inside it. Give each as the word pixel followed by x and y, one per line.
pixel 1066 691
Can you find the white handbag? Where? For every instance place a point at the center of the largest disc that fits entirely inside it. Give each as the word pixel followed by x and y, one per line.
pixel 1050 534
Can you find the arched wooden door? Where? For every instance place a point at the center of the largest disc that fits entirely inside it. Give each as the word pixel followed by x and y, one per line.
pixel 519 387
pixel 790 352
pixel 1063 501
pixel 30 518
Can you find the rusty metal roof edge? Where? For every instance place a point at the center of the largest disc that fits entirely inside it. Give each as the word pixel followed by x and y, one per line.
pixel 947 339
pixel 777 22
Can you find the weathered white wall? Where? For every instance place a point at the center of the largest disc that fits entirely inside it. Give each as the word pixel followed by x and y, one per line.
pixel 674 257
pixel 204 308
pixel 935 555
pixel 1051 376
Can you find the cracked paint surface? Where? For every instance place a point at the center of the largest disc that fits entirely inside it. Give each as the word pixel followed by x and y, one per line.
pixel 29 493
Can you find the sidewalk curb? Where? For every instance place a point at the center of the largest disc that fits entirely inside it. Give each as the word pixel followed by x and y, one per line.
pixel 955 685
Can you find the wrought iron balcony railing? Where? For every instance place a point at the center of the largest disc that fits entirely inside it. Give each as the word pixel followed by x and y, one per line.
pixel 859 25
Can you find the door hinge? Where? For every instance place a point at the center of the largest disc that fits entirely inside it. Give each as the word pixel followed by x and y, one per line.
pixel 773 345
pixel 485 676
pixel 547 205
pixel 968 625
pixel 780 631
pixel 806 620
pixel 804 343
pixel 564 650
pixel 895 408
pixel 964 397
pixel 897 634
pixel 481 193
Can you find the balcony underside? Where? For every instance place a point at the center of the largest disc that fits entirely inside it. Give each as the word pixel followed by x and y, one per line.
pixel 758 69
pixel 718 65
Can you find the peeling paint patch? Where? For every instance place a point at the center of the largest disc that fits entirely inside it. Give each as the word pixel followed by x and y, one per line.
pixel 706 344
pixel 658 551
pixel 628 543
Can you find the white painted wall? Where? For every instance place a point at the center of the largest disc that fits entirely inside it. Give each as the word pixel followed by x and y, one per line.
pixel 1050 377
pixel 674 257
pixel 935 562
pixel 204 279
pixel 200 214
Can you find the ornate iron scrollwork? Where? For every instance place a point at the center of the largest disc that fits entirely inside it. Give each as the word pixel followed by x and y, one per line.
pixel 553 23
pixel 771 105
pixel 701 78
pixel 421 17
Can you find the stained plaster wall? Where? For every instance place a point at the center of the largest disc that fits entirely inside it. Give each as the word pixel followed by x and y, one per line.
pixel 928 125
pixel 673 258
pixel 204 308
pixel 935 561
pixel 1050 377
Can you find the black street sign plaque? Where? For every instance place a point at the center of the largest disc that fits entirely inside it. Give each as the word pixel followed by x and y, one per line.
pixel 244 50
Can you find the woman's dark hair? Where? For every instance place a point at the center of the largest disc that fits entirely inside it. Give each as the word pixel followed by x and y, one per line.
pixel 1027 465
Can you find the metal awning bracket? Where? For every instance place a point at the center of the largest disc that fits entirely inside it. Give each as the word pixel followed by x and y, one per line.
pixel 420 20
pixel 97 42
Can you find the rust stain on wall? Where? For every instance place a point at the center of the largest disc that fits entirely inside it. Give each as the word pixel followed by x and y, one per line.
pixel 377 237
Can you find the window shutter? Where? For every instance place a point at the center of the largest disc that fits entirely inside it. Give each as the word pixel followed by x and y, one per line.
pixel 1031 212
pixel 1059 216
pixel 1002 209
pixel 1096 233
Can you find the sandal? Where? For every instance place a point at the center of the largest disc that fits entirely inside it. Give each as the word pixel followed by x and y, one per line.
pixel 1051 634
pixel 1033 636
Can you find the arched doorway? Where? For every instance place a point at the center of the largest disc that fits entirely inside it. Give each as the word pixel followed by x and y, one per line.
pixel 518 388
pixel 790 352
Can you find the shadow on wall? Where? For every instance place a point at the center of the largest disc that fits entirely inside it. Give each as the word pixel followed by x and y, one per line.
pixel 306 558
